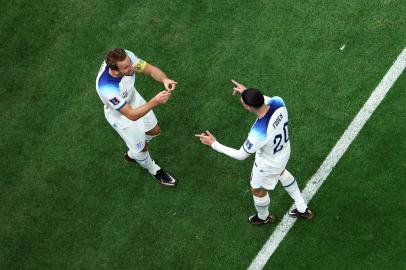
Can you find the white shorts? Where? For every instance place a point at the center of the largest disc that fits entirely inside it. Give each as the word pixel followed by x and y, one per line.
pixel 262 179
pixel 149 119
pixel 132 132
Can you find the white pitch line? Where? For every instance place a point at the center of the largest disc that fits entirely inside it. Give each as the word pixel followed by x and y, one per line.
pixel 332 159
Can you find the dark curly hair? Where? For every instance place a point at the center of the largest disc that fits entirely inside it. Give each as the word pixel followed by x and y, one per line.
pixel 114 56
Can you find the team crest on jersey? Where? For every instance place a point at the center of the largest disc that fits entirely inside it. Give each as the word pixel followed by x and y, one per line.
pixel 139 145
pixel 114 101
pixel 248 145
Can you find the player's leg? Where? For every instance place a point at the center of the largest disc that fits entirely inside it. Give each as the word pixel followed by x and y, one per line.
pixel 261 202
pixel 162 176
pixel 290 185
pixel 261 198
pixel 144 159
pixel 155 131
pixel 134 137
pixel 150 122
pixel 151 127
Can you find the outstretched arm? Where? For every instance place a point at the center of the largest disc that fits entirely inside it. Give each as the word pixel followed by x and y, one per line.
pixel 208 139
pixel 159 76
pixel 136 113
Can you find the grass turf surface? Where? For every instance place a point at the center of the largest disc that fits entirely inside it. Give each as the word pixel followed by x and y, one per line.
pixel 69 201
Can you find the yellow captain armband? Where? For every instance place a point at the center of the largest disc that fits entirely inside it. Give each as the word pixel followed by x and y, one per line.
pixel 139 66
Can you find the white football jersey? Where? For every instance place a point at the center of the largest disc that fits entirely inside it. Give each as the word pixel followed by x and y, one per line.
pixel 269 138
pixel 116 92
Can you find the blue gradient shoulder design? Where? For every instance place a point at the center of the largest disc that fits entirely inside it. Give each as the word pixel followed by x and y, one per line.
pixel 108 83
pixel 260 127
pixel 276 101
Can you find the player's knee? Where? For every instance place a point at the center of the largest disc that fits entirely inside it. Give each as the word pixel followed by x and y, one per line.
pixel 146 147
pixel 286 178
pixel 259 192
pixel 155 131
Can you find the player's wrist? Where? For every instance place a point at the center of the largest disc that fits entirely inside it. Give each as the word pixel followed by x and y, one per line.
pixel 164 80
pixel 215 144
pixel 153 103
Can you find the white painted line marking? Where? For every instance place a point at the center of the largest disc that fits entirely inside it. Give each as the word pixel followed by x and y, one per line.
pixel 332 159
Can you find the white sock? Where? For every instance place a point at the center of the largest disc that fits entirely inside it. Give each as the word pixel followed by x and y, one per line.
pixel 262 204
pixel 290 185
pixel 145 161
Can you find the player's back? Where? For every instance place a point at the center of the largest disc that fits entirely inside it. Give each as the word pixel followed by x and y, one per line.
pixel 272 132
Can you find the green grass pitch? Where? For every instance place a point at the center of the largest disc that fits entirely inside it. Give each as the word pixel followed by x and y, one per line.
pixel 69 201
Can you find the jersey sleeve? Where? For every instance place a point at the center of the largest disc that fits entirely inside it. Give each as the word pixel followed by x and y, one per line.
pixel 112 95
pixel 231 152
pixel 138 63
pixel 253 143
pixel 267 99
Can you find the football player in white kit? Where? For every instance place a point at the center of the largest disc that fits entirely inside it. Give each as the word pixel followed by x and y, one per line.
pixel 127 112
pixel 269 140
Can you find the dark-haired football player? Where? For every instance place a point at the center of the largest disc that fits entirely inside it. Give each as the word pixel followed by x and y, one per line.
pixel 269 140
